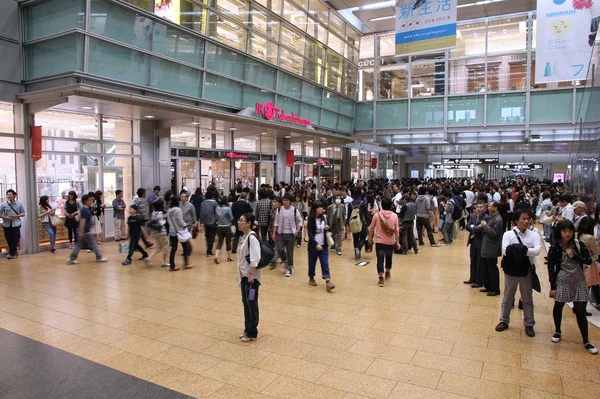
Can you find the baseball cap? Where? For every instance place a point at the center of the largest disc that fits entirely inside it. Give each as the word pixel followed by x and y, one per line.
pixel 578 204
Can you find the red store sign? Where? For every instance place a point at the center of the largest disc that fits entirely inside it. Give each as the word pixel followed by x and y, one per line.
pixel 322 161
pixel 236 155
pixel 271 112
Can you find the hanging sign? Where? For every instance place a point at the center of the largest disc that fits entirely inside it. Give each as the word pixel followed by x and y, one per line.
pixel 524 166
pixel 36 143
pixel 469 161
pixel 373 163
pixel 565 38
pixel 289 159
pixel 236 155
pixel 271 112
pixel 425 25
pixel 322 161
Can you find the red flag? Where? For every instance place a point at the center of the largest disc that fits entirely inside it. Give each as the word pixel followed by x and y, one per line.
pixel 289 160
pixel 36 143
pixel 373 163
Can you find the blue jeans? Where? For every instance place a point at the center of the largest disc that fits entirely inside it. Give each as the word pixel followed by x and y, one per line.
pixel 323 256
pixel 51 232
pixel 384 254
pixel 547 231
pixel 251 313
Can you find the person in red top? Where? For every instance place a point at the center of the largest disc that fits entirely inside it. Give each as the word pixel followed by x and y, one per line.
pixel 384 226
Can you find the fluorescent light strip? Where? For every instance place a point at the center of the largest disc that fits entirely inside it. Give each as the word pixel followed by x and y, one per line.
pixel 479 3
pixel 375 6
pixel 382 18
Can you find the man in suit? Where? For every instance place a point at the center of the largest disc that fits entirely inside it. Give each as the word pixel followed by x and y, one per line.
pixel 239 208
pixel 475 239
pixel 491 249
pixel 336 219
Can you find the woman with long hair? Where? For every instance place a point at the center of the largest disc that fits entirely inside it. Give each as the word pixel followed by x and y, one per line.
pixel 45 212
pixel 567 258
pixel 316 227
pixel 252 200
pixel 224 233
pixel 72 208
pixel 386 231
pixel 585 233
pixel 97 211
pixel 176 223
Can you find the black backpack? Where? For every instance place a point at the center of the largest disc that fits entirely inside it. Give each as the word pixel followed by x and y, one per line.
pixel 457 212
pixel 266 253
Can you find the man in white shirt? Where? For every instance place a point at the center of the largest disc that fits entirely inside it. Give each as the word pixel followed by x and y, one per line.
pixel 565 211
pixel 533 243
pixel 469 196
pixel 397 200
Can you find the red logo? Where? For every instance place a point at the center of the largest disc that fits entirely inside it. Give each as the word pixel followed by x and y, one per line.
pixel 235 155
pixel 322 160
pixel 270 112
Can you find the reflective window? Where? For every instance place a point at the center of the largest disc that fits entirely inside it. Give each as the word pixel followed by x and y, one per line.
pixel 329 119
pixel 262 21
pixel 259 74
pixel 365 90
pixel 311 113
pixel 222 90
pixel 176 78
pixel 252 95
pixel 352 36
pixel 193 16
pixel 316 30
pixel 314 51
pixel 7 120
pixel 227 32
pixel 549 106
pixel 291 61
pixel 337 24
pixel 427 79
pixel 334 82
pixel 461 76
pixel 293 39
pixel 312 71
pixel 237 9
pixel 335 43
pixel 249 143
pixel 387 46
pixel 335 63
pixel 470 40
pixel 262 48
pixel 319 11
pixel 391 114
pixel 507 34
pixel 290 85
pixel 331 101
pixel 178 45
pixel 118 130
pixel 512 69
pixel 225 61
pixel 463 111
pixel 427 112
pixel 393 82
pixel 295 15
pixel 363 115
pixel 48 18
pixel 120 24
pixel 54 56
pixel 288 105
pixel 506 109
pixel 273 5
pixel 311 93
pixel 67 125
pixel 184 136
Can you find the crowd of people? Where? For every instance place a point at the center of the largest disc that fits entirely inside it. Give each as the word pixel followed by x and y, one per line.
pixel 388 216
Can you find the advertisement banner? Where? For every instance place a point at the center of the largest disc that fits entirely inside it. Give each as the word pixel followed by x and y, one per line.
pixel 565 37
pixel 36 143
pixel 425 25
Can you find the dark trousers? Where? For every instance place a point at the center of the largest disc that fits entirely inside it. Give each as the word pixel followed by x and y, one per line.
pixel 491 274
pixel 408 237
pixel 264 233
pixel 224 234
pixel 134 245
pixel 424 222
pixel 236 239
pixel 147 243
pixel 360 238
pixel 13 236
pixel 73 233
pixel 250 307
pixel 285 247
pixel 323 256
pixel 384 254
pixel 186 251
pixel 210 233
pixel 299 237
pixel 476 262
pixel 507 221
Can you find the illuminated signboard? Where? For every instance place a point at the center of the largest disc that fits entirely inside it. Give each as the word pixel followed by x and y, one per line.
pixel 271 112
pixel 236 155
pixel 469 161
pixel 523 166
pixel 449 166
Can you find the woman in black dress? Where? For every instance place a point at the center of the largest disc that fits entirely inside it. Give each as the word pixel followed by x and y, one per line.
pixel 72 217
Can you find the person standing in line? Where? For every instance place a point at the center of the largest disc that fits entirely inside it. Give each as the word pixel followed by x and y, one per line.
pixel 176 223
pixel 336 218
pixel 45 212
pixel 224 219
pixel 423 205
pixel 11 212
pixel 316 227
pixel 358 209
pixel 72 207
pixel 249 277
pixel 524 245
pixel 299 205
pixel 288 223
pixel 157 228
pixel 189 215
pixel 475 240
pixel 567 259
pixel 385 228
pixel 197 199
pixel 239 208
pixel 142 206
pixel 85 232
pixel 155 196
pixel 135 234
pixel 407 215
pixel 119 216
pixel 208 218
pixel 97 212
pixel 448 229
pixel 491 249
pixel 263 213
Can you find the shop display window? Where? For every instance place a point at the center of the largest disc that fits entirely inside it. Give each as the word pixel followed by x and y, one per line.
pixel 264 22
pixel 312 71
pixel 470 40
pixel 217 173
pixel 294 15
pixel 227 32
pixel 293 39
pixel 316 30
pixel 291 61
pixel 246 144
pixel 319 11
pixel 273 5
pixel 184 136
pixel 507 35
pixel 393 82
pixel 428 79
pixel 366 82
pixel 268 144
pixel 118 174
pixel 336 43
pixel 67 125
pixel 188 174
pixel 237 9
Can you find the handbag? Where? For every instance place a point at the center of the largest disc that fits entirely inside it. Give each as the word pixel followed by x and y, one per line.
pixel 182 235
pixel 535 280
pixel 233 229
pixel 330 241
pixel 55 220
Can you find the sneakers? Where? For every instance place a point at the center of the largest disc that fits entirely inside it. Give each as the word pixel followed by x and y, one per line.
pixel 242 335
pixel 381 282
pixel 103 259
pixel 297 245
pixel 591 348
pixel 388 274
pixel 556 337
pixel 339 253
pixel 126 262
pixel 288 272
pixel 356 254
pixel 72 261
pixel 144 257
pixel 188 266
pixel 311 281
pixel 529 331
pixel 435 244
pixel 332 249
pixel 501 326
pixel 165 265
pixel 329 285
pixel 173 269
pixel 247 339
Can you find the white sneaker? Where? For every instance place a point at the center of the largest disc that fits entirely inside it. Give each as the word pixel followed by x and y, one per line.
pixel 591 348
pixel 288 273
pixel 102 260
pixel 556 337
pixel 72 262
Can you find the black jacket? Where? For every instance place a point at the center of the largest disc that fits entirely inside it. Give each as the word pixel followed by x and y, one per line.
pixel 238 208
pixel 311 229
pixel 555 255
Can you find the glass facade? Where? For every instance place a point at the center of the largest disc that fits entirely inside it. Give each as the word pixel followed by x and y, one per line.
pixel 127 46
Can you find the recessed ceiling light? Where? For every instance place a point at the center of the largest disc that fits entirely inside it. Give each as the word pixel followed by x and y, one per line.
pixel 288 137
pixel 233 129
pixel 86 107
pixel 324 142
pixel 195 123
pixel 263 133
pixel 149 116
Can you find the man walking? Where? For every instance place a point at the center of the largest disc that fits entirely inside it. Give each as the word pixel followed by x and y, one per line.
pixel 142 206
pixel 491 249
pixel 208 218
pixel 239 208
pixel 12 211
pixel 336 216
pixel 423 204
pixel 86 238
pixel 287 225
pixel 407 215
pixel 448 229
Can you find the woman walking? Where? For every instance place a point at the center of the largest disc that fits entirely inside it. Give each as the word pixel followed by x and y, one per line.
pixel 316 227
pixel 157 229
pixel 249 277
pixel 224 229
pixel 176 223
pixel 45 213
pixel 72 208
pixel 567 258
pixel 97 212
pixel 384 226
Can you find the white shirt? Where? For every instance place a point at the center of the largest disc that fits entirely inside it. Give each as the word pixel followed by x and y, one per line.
pixel 397 201
pixel 242 251
pixel 496 196
pixel 567 212
pixel 530 239
pixel 469 198
pixel 320 231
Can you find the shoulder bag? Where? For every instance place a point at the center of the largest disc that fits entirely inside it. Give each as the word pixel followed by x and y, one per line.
pixel 535 280
pixel 183 235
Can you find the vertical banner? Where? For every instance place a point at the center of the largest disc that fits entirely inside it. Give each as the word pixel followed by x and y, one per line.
pixel 425 25
pixel 289 159
pixel 36 143
pixel 373 163
pixel 565 38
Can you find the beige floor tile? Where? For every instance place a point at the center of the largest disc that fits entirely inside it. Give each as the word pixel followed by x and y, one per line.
pixel 574 370
pixel 383 314
pixel 189 324
pixel 241 376
pixel 521 377
pixel 458 336
pixel 304 311
pixel 407 329
pixel 350 395
pixel 580 389
pixel 102 334
pixel 476 387
pixel 68 323
pixel 232 392
pixel 305 370
pixel 580 356
pixel 308 323
pixel 227 333
pixel 277 330
pixel 152 315
pixel 137 366
pixel 362 384
pixel 527 393
pixel 409 373
pixel 111 319
pixel 409 391
pixel 452 364
pixel 431 321
pixel 340 359
pixel 192 361
pixel 147 329
pixel 366 334
pixel 282 346
pixel 422 344
pixel 117 306
pixel 141 346
pixel 488 329
pixel 20 325
pixel 486 355
pixel 190 384
pixel 338 307
pixel 185 339
pixel 91 350
pixel 286 387
pixel 351 320
pixel 389 352
pixel 236 353
pixel 522 347
pixel 79 310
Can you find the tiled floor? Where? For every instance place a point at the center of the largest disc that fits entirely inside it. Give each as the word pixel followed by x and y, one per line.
pixel 424 335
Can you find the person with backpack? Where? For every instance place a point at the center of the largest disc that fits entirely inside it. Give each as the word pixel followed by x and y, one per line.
pixel 287 225
pixel 249 275
pixel 567 260
pixel 357 222
pixel 157 229
pixel 453 213
pixel 336 219
pixel 520 246
pixel 407 215
pixel 384 227
pixel 317 227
